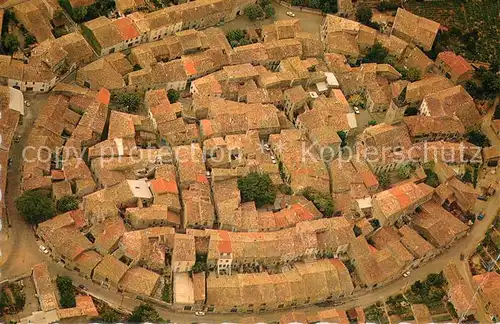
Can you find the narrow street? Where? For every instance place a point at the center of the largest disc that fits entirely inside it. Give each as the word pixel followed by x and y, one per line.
pixel 19 249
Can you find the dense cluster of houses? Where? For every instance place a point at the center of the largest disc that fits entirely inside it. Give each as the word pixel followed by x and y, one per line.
pixel 150 212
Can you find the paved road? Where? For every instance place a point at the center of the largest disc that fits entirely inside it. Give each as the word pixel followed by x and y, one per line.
pixel 486 126
pixel 19 249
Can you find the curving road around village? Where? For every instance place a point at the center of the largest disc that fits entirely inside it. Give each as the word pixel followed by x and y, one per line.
pixel 20 252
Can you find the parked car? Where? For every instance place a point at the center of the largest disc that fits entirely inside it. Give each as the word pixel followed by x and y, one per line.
pixel 356 110
pixel 483 198
pixel 406 274
pixel 291 14
pixel 17 139
pixel 480 216
pixel 82 287
pixel 43 249
pixel 27 103
pixel 199 313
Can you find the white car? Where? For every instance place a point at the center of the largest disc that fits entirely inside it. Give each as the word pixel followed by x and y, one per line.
pixel 200 313
pixel 356 110
pixel 43 249
pixel 406 274
pixel 291 14
pixel 27 103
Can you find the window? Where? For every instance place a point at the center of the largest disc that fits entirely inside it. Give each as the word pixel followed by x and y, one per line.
pixel 281 305
pixel 187 308
pixel 234 310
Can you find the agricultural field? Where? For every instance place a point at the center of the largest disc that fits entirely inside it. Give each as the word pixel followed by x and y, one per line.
pixel 473 26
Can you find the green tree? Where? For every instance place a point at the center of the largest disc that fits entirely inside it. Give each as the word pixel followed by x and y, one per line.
pixel 264 3
pixel 145 313
pixel 384 179
pixel 173 95
pixel 10 43
pixel 128 101
pixel 235 35
pixel 435 279
pixel 166 294
pixel 432 179
pixel 372 122
pixel 343 138
pixel 364 14
pixel 467 177
pixel 404 171
pixel 67 203
pixel 376 54
pixel 79 14
pixel 29 40
pixel 323 202
pixel 413 74
pixel 269 11
pixel 315 4
pixel 109 316
pixel 35 206
pixel 254 12
pixel 257 187
pixel 357 100
pixel 66 291
pixel 478 138
pixel 297 2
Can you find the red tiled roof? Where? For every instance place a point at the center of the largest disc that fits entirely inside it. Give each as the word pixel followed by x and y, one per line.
pixel 225 245
pixel 104 96
pixel 161 186
pixel 190 68
pixel 456 62
pixel 302 212
pixel 57 175
pixel 207 127
pixel 202 178
pixel 402 197
pixel 126 28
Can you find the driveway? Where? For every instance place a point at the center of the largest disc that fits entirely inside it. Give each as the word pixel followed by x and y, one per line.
pixel 309 22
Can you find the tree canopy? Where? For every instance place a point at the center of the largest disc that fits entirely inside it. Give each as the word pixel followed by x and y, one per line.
pixel 404 171
pixel 376 54
pixel 67 203
pixel 173 95
pixel 35 206
pixel 145 313
pixel 322 201
pixel 364 15
pixel 254 12
pixel 384 179
pixel 10 43
pixel 257 187
pixel 129 102
pixel 478 138
pixel 413 74
pixel 66 291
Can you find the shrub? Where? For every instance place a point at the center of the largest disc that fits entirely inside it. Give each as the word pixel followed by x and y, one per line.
pixel 257 187
pixel 173 95
pixel 145 313
pixel 129 102
pixel 413 74
pixel 254 12
pixel 372 122
pixel 269 11
pixel 29 40
pixel 376 54
pixel 364 14
pixel 10 43
pixel 66 291
pixel 323 202
pixel 67 203
pixel 404 171
pixel 478 138
pixel 384 179
pixel 387 5
pixel 35 206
